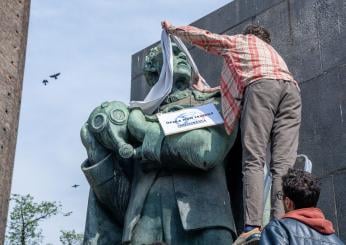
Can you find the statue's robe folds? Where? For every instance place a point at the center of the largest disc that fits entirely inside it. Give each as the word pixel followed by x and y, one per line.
pixel 108 200
pixel 186 171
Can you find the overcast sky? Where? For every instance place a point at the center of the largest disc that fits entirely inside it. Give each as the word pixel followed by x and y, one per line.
pixel 90 43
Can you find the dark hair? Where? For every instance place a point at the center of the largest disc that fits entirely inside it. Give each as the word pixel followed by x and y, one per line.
pixel 301 187
pixel 258 31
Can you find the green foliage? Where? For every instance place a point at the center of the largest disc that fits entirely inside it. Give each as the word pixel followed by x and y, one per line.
pixel 71 237
pixel 23 228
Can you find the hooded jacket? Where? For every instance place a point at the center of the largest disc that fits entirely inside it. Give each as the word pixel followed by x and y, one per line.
pixel 300 226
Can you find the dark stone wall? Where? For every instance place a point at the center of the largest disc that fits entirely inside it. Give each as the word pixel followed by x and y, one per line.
pixel 310 35
pixel 14 17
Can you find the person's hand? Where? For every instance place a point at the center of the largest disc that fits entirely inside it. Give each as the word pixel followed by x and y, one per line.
pixel 166 25
pixel 211 90
pixel 200 86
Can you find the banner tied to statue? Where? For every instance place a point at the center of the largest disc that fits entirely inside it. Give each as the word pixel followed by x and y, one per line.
pixel 189 119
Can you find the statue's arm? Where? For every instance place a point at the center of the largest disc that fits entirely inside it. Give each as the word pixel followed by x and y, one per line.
pixel 197 149
pixel 106 176
pixel 110 185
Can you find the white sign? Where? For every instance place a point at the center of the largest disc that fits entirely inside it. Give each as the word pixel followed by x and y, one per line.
pixel 189 118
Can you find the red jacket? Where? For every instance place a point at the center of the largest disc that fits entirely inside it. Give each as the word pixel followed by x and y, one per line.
pixel 312 217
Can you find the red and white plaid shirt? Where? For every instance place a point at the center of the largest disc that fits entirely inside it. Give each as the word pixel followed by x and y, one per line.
pixel 246 59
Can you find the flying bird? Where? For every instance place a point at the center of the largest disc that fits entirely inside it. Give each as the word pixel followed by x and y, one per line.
pixel 68 213
pixel 75 186
pixel 55 76
pixel 45 82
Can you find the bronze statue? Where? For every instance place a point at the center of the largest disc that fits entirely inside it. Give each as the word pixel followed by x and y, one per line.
pixel 147 187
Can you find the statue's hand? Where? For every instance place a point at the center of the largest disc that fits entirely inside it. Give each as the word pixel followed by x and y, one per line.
pixel 146 164
pixel 137 124
pixel 201 85
pixel 96 152
pixel 150 135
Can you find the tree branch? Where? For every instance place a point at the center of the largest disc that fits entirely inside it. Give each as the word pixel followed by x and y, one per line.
pixel 41 217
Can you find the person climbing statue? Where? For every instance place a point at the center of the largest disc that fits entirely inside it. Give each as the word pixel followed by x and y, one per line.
pixel 256 86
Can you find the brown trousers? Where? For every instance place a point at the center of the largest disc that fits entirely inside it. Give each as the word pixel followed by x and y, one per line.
pixel 271 116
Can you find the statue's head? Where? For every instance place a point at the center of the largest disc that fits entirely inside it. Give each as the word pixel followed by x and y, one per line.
pixel 182 71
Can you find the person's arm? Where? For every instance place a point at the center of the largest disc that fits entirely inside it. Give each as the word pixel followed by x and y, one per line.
pixel 200 86
pixel 209 42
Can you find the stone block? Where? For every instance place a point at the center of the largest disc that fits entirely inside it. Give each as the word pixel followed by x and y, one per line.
pixel 262 6
pixel 331 23
pixel 340 200
pixel 208 65
pixel 303 55
pixel 237 29
pixel 234 13
pixel 139 88
pixel 323 125
pixel 327 199
pixel 292 27
pixel 228 16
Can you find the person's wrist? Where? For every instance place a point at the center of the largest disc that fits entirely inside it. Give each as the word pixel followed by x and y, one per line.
pixel 170 29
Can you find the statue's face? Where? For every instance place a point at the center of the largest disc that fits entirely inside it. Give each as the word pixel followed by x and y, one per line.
pixel 181 67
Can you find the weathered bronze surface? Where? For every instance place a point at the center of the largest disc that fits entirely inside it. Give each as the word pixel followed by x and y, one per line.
pixel 147 187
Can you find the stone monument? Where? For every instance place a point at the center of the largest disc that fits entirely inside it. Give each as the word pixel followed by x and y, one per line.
pixel 318 65
pixel 147 187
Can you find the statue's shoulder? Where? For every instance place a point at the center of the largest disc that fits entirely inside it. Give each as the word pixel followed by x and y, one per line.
pixel 200 96
pixel 189 98
pixel 205 98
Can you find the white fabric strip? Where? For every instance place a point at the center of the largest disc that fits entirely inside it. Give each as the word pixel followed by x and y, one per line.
pixel 182 47
pixel 164 85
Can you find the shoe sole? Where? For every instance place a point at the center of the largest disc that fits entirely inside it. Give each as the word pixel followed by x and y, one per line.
pixel 254 241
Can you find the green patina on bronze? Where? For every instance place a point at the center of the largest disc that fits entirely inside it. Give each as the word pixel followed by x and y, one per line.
pixel 131 163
